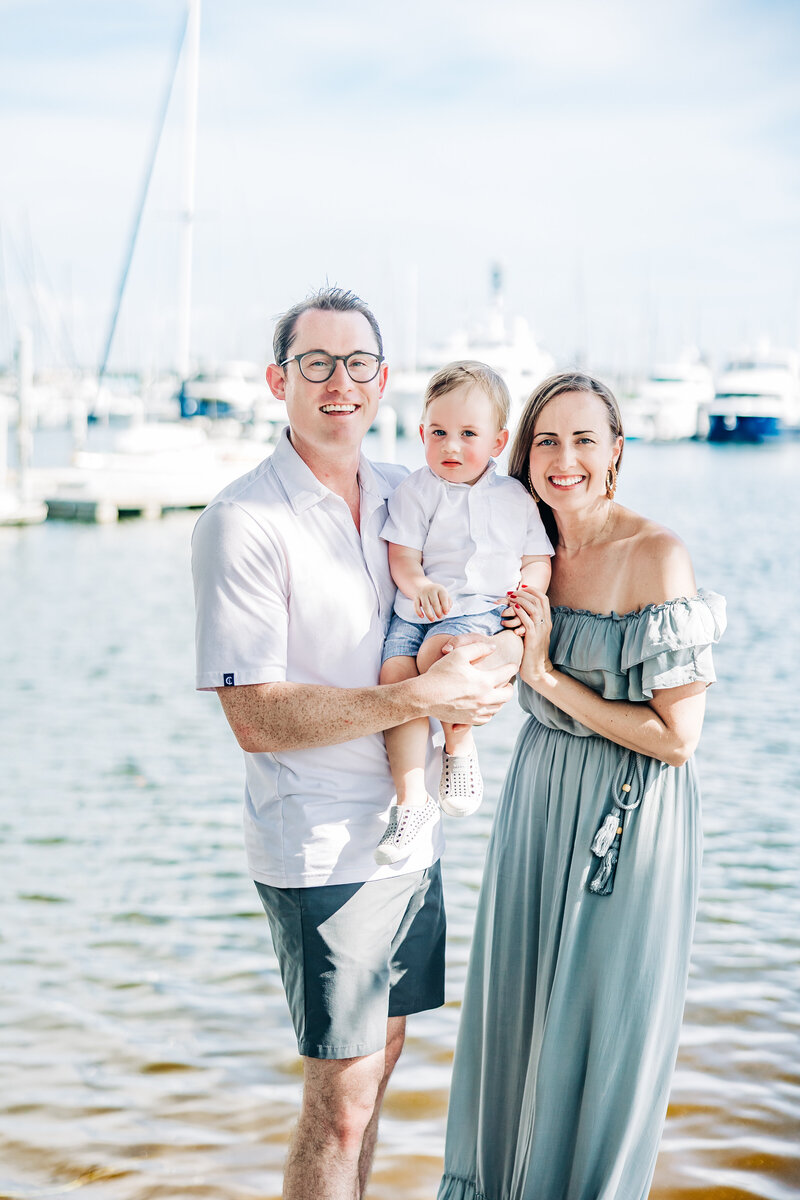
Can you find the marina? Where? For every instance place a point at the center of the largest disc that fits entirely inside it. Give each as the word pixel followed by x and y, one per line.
pixel 222 422
pixel 172 440
pixel 145 1048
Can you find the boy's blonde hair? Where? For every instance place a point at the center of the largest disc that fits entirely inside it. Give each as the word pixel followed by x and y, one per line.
pixel 448 378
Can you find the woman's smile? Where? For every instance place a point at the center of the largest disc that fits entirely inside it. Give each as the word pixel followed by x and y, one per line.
pixel 565 481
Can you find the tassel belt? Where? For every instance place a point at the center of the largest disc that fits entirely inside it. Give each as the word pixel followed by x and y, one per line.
pixel 627 790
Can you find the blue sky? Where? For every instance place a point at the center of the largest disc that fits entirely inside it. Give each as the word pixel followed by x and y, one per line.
pixel 634 167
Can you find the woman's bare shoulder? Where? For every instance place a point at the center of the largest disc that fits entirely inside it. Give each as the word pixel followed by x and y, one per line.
pixel 658 563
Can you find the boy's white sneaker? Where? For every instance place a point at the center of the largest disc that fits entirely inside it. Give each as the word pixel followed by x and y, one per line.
pixel 405 825
pixel 461 785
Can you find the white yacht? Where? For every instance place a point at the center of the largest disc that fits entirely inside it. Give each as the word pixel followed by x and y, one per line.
pixel 757 397
pixel 228 389
pixel 672 401
pixel 514 352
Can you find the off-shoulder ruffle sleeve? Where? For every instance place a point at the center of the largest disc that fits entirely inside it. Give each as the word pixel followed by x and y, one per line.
pixel 669 645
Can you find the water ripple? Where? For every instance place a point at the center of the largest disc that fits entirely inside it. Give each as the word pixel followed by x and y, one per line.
pixel 145 1047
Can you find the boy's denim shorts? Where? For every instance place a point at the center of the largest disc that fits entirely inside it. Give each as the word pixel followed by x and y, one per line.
pixel 405 637
pixel 351 955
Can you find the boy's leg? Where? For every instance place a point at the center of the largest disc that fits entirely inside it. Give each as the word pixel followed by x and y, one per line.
pixel 406 745
pixel 458 738
pixel 461 785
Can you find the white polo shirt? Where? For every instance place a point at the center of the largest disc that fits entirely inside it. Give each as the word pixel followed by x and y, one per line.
pixel 287 589
pixel 472 536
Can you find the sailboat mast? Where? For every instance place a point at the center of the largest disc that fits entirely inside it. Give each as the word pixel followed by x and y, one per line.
pixel 187 213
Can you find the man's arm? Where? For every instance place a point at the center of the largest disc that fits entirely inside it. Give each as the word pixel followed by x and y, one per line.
pixel 271 717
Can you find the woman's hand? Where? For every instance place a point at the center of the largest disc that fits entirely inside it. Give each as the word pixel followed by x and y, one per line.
pixel 533 610
pixel 511 621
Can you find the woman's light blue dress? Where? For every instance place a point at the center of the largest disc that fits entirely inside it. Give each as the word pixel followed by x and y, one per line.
pixel 573 1004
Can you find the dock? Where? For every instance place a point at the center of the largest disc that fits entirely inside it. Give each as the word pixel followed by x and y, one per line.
pixel 153 469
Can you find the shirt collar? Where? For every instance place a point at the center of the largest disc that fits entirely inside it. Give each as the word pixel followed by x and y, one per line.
pixel 301 485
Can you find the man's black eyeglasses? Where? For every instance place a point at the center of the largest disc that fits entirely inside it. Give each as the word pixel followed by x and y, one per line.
pixel 316 366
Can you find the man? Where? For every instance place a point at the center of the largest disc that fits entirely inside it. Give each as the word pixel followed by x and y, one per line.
pixel 293 597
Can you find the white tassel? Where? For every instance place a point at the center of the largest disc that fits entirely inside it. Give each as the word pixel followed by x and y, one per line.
pixel 608 839
pixel 606 834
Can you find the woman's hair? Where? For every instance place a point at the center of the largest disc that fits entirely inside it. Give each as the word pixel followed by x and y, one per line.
pixel 448 378
pixel 548 389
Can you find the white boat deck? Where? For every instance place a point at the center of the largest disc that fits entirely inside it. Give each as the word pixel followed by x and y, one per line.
pixel 17 510
pixel 151 470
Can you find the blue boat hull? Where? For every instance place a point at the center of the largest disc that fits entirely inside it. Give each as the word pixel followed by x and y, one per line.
pixel 743 429
pixel 204 408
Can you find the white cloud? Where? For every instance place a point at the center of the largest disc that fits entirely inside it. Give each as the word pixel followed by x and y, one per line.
pixel 631 147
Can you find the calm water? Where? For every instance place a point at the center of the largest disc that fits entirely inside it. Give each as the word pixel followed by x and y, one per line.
pixel 145 1051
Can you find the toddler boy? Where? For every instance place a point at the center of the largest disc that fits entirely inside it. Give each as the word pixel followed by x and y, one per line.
pixel 459 536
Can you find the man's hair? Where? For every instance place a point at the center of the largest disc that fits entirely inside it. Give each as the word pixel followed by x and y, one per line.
pixel 455 374
pixel 327 299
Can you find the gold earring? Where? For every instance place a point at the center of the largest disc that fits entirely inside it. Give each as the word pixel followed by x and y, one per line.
pixel 532 488
pixel 611 481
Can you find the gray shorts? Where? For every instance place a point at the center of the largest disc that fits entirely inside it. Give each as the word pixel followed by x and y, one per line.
pixel 404 638
pixel 351 955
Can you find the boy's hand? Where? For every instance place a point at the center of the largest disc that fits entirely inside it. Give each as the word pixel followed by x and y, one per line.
pixel 512 622
pixel 432 601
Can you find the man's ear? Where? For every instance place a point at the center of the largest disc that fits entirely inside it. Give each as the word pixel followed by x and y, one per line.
pixel 276 381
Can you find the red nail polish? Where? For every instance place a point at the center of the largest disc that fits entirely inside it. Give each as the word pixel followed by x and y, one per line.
pixel 524 585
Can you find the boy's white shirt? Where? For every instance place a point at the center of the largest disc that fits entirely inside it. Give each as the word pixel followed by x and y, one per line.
pixel 472 536
pixel 287 589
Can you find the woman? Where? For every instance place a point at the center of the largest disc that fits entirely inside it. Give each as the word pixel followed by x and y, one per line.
pixel 575 991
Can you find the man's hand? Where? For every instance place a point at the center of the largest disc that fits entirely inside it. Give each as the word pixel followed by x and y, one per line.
pixel 431 600
pixel 458 690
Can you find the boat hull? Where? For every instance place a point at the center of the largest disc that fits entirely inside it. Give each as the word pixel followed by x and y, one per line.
pixel 753 429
